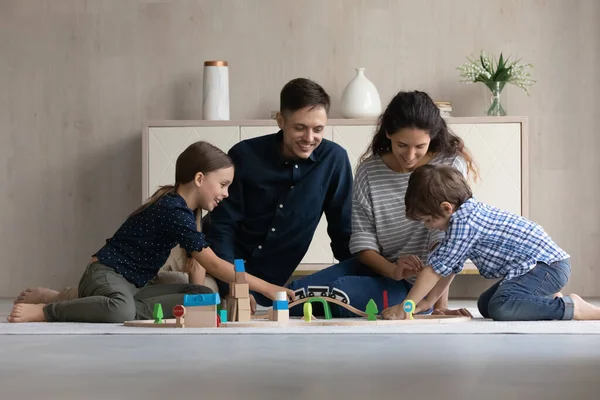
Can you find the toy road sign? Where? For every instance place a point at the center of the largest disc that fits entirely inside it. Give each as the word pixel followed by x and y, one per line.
pixel 179 311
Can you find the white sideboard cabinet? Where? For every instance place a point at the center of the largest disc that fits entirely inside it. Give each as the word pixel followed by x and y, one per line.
pixel 497 144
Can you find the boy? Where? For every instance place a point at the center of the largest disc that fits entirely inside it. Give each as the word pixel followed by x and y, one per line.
pixel 503 245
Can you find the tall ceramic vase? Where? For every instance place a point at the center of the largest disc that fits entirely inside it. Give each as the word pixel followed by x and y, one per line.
pixel 215 91
pixel 360 98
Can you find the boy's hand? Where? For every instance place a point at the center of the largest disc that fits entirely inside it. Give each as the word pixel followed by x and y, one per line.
pixel 395 312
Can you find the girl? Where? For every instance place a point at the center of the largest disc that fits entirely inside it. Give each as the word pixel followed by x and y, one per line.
pixel 109 288
pixel 389 248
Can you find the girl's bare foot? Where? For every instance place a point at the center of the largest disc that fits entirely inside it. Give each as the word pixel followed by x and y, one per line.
pixel 584 310
pixel 557 294
pixel 27 313
pixel 36 296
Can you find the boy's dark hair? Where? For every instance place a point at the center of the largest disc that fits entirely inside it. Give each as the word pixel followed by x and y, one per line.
pixel 430 185
pixel 197 157
pixel 300 93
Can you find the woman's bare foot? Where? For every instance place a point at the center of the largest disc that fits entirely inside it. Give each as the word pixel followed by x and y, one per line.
pixel 37 295
pixel 584 310
pixel 557 294
pixel 27 313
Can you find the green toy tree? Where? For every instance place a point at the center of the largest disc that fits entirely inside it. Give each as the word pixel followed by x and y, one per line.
pixel 371 310
pixel 158 314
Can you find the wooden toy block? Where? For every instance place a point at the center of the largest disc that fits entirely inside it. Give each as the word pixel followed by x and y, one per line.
pixel 241 290
pixel 223 315
pixel 239 266
pixel 281 296
pixel 371 310
pixel 280 305
pixel 282 315
pixel 385 299
pixel 201 317
pixel 207 299
pixel 409 307
pixel 157 314
pixel 323 301
pixel 179 313
pixel 240 277
pixel 307 310
pixel 243 303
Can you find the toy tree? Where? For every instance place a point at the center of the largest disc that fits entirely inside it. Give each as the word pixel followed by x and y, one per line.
pixel 371 310
pixel 158 313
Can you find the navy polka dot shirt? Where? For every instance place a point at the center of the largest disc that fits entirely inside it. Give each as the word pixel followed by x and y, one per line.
pixel 143 243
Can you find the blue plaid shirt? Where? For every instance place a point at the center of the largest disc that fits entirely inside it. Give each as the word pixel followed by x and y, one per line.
pixel 500 244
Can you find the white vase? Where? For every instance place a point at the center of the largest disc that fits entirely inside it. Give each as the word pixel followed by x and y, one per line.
pixel 360 98
pixel 215 91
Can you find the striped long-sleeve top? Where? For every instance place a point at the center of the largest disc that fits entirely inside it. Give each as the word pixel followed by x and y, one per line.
pixel 378 213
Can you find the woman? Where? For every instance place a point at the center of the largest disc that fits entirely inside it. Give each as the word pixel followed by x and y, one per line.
pixel 389 249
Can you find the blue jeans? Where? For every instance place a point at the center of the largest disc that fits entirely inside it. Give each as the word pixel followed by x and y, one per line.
pixel 529 297
pixel 358 281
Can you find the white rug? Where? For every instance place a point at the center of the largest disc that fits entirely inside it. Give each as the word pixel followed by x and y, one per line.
pixel 475 326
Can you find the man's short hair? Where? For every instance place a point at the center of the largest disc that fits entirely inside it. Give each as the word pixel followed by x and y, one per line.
pixel 300 93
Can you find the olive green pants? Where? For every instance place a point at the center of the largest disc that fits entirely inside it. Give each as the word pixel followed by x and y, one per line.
pixel 105 296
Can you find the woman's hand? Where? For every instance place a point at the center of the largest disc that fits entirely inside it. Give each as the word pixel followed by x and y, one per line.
pixel 407 265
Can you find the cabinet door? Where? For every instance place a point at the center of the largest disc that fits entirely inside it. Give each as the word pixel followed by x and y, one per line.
pixel 355 139
pixel 319 251
pixel 496 150
pixel 166 143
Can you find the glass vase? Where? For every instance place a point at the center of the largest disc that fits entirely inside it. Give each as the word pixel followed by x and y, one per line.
pixel 495 99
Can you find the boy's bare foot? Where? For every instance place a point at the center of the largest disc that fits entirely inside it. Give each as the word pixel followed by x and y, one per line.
pixel 27 313
pixel 557 294
pixel 584 310
pixel 37 295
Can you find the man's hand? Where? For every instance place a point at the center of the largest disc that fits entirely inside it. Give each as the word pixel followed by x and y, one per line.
pixel 460 311
pixel 271 292
pixel 407 265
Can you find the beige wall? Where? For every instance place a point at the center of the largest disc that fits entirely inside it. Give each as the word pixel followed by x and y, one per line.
pixel 78 78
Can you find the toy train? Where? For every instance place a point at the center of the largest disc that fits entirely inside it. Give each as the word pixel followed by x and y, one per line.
pixel 322 291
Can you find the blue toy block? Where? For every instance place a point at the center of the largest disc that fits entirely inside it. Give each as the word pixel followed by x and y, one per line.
pixel 223 315
pixel 239 265
pixel 280 305
pixel 195 300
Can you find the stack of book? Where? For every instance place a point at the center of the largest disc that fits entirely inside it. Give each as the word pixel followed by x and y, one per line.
pixel 445 108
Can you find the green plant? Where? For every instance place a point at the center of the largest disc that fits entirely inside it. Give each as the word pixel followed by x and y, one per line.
pixel 495 74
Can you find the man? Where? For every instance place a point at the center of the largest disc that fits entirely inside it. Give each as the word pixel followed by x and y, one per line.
pixel 283 183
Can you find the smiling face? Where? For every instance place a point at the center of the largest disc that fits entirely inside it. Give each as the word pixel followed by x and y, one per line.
pixel 409 146
pixel 302 131
pixel 212 187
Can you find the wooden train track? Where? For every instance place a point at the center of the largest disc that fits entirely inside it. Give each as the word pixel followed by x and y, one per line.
pixel 330 300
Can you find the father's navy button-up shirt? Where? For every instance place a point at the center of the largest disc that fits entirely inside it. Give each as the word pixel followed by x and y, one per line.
pixel 275 205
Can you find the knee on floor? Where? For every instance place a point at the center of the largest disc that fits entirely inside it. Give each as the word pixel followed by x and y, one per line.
pixel 500 310
pixel 120 312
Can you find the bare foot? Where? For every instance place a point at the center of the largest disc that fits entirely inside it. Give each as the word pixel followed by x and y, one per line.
pixel 584 310
pixel 37 295
pixel 557 294
pixel 27 313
